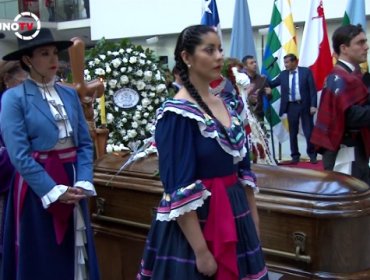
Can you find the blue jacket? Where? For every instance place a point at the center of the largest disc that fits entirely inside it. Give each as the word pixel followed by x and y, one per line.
pixel 307 89
pixel 27 125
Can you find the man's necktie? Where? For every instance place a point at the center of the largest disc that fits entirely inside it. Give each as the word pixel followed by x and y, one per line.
pixel 292 88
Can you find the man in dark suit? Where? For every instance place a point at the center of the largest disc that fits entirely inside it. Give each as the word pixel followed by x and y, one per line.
pixel 299 102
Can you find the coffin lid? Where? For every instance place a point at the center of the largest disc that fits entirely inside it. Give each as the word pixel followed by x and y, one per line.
pixel 302 191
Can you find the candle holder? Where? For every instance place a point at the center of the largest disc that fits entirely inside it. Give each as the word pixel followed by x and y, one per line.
pixel 101 139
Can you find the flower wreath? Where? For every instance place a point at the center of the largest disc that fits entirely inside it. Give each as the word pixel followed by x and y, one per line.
pixel 125 66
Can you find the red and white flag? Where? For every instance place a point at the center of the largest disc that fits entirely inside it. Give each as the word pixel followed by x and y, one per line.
pixel 315 49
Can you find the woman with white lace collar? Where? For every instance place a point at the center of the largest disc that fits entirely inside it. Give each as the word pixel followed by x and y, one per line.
pixel 47 230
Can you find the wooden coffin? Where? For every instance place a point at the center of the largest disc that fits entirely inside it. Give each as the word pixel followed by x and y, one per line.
pixel 314 225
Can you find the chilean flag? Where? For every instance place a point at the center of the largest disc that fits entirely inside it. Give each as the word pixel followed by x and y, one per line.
pixel 315 49
pixel 210 16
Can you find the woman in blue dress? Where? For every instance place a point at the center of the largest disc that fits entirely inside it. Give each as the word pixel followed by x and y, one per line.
pixel 47 232
pixel 205 225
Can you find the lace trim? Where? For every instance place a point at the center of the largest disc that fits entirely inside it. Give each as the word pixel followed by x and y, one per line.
pixel 250 184
pixel 225 145
pixel 175 213
pixel 80 242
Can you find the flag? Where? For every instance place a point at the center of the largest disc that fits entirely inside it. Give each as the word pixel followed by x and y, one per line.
pixel 281 40
pixel 242 41
pixel 315 50
pixel 210 15
pixel 355 14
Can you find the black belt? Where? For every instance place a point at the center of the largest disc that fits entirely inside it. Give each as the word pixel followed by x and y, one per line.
pixel 296 102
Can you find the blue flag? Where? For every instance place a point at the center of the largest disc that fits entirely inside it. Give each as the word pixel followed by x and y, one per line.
pixel 210 15
pixel 242 41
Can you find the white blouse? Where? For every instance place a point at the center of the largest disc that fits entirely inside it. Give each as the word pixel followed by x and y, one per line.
pixel 56 108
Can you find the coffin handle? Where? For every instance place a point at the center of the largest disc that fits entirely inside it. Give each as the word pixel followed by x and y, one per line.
pixel 288 255
pixel 100 203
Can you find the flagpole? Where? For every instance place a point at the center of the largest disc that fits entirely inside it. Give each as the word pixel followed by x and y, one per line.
pixel 263 32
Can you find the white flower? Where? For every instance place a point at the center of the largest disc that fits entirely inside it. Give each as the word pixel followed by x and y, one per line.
pixel 96 61
pixel 148 62
pixel 115 53
pixel 124 79
pixel 134 125
pixel 112 83
pixel 129 50
pixel 123 69
pixel 140 85
pixel 148 75
pixel 109 148
pixel 139 73
pixel 102 56
pixel 150 108
pixel 149 127
pixel 158 76
pixel 121 51
pixel 161 88
pixel 110 118
pixel 108 69
pixel 124 60
pixel 144 121
pixel 145 102
pixel 131 133
pixel 109 52
pixel 133 59
pixel 124 120
pixel 146 114
pixel 110 92
pixel 129 69
pixel 88 78
pixel 142 62
pixel 156 101
pixel 116 62
pixel 115 73
pixel 116 148
pixel 142 55
pixel 151 94
pixel 99 71
pixel 90 64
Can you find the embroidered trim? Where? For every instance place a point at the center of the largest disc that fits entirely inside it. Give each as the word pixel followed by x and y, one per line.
pixel 184 209
pixel 208 128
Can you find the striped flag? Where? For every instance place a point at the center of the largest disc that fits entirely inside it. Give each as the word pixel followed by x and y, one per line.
pixel 355 14
pixel 210 15
pixel 242 42
pixel 315 49
pixel 281 40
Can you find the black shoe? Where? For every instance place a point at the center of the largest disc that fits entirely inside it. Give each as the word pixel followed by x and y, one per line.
pixel 313 160
pixel 295 161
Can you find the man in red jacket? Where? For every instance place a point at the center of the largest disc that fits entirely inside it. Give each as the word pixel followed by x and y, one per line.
pixel 343 119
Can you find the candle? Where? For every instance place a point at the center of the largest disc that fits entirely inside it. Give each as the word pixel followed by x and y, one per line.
pixel 103 116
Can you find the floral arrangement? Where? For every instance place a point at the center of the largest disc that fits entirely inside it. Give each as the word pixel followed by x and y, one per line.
pixel 125 66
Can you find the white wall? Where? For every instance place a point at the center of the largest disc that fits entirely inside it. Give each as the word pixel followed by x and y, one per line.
pixel 135 18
